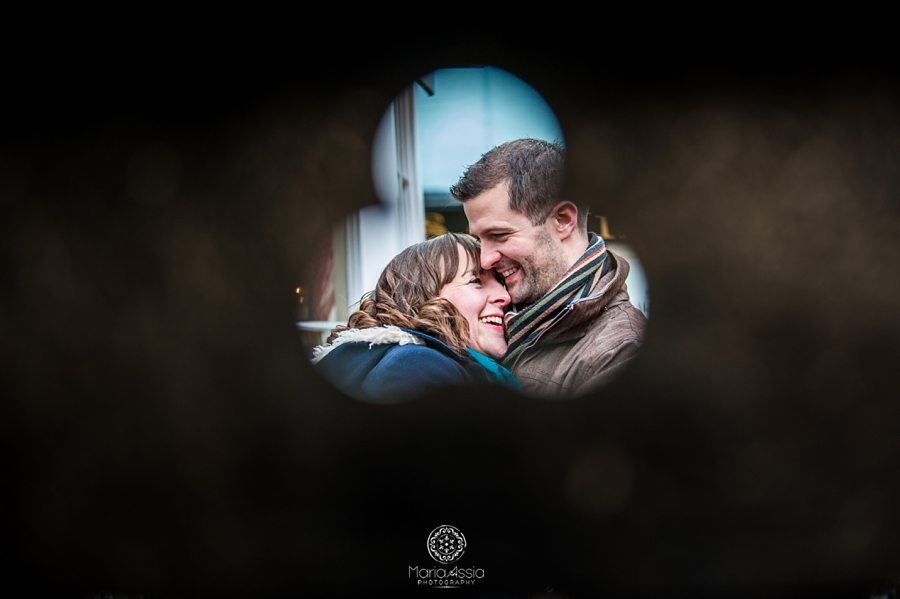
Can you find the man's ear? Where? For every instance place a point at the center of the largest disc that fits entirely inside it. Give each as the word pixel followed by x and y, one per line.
pixel 564 219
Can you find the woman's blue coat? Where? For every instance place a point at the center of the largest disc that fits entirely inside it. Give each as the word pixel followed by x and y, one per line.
pixel 387 364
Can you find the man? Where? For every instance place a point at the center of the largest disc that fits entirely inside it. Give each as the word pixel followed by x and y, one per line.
pixel 573 327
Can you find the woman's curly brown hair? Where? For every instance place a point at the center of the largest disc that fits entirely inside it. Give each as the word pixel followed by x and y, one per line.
pixel 407 291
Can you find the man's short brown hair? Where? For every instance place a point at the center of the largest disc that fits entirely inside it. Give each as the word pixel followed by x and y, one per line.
pixel 534 171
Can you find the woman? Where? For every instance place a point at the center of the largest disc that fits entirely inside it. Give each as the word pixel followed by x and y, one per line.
pixel 435 319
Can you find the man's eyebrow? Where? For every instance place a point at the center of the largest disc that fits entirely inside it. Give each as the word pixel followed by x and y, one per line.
pixel 494 226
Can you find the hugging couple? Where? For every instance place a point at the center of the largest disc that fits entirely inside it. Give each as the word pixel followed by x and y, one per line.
pixel 529 300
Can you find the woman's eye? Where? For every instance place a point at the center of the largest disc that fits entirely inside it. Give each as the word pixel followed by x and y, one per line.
pixel 475 282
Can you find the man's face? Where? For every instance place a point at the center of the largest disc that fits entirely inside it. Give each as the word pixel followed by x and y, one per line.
pixel 528 257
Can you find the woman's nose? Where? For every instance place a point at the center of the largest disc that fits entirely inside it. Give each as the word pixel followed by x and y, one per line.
pixel 499 295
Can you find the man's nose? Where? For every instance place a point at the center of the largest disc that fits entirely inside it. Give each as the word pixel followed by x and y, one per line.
pixel 489 256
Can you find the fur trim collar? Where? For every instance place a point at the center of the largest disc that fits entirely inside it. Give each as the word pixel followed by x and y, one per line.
pixel 372 336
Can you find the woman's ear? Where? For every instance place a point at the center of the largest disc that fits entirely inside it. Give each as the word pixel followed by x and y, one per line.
pixel 564 219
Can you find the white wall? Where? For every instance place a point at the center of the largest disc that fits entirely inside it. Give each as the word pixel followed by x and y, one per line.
pixel 378 233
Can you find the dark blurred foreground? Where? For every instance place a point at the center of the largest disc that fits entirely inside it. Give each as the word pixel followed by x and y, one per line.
pixel 165 435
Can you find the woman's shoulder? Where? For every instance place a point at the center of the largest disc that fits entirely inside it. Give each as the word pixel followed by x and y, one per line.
pixel 418 355
pixel 387 363
pixel 387 348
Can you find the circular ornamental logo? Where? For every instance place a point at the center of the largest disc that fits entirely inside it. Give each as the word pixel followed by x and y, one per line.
pixel 446 544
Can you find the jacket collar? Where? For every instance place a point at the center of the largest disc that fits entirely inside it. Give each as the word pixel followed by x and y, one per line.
pixel 609 291
pixel 385 335
pixel 372 336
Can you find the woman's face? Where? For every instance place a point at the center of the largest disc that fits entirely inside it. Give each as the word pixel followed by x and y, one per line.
pixel 481 300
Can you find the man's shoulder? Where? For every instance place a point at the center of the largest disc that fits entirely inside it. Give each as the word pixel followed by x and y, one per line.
pixel 616 324
pixel 589 355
